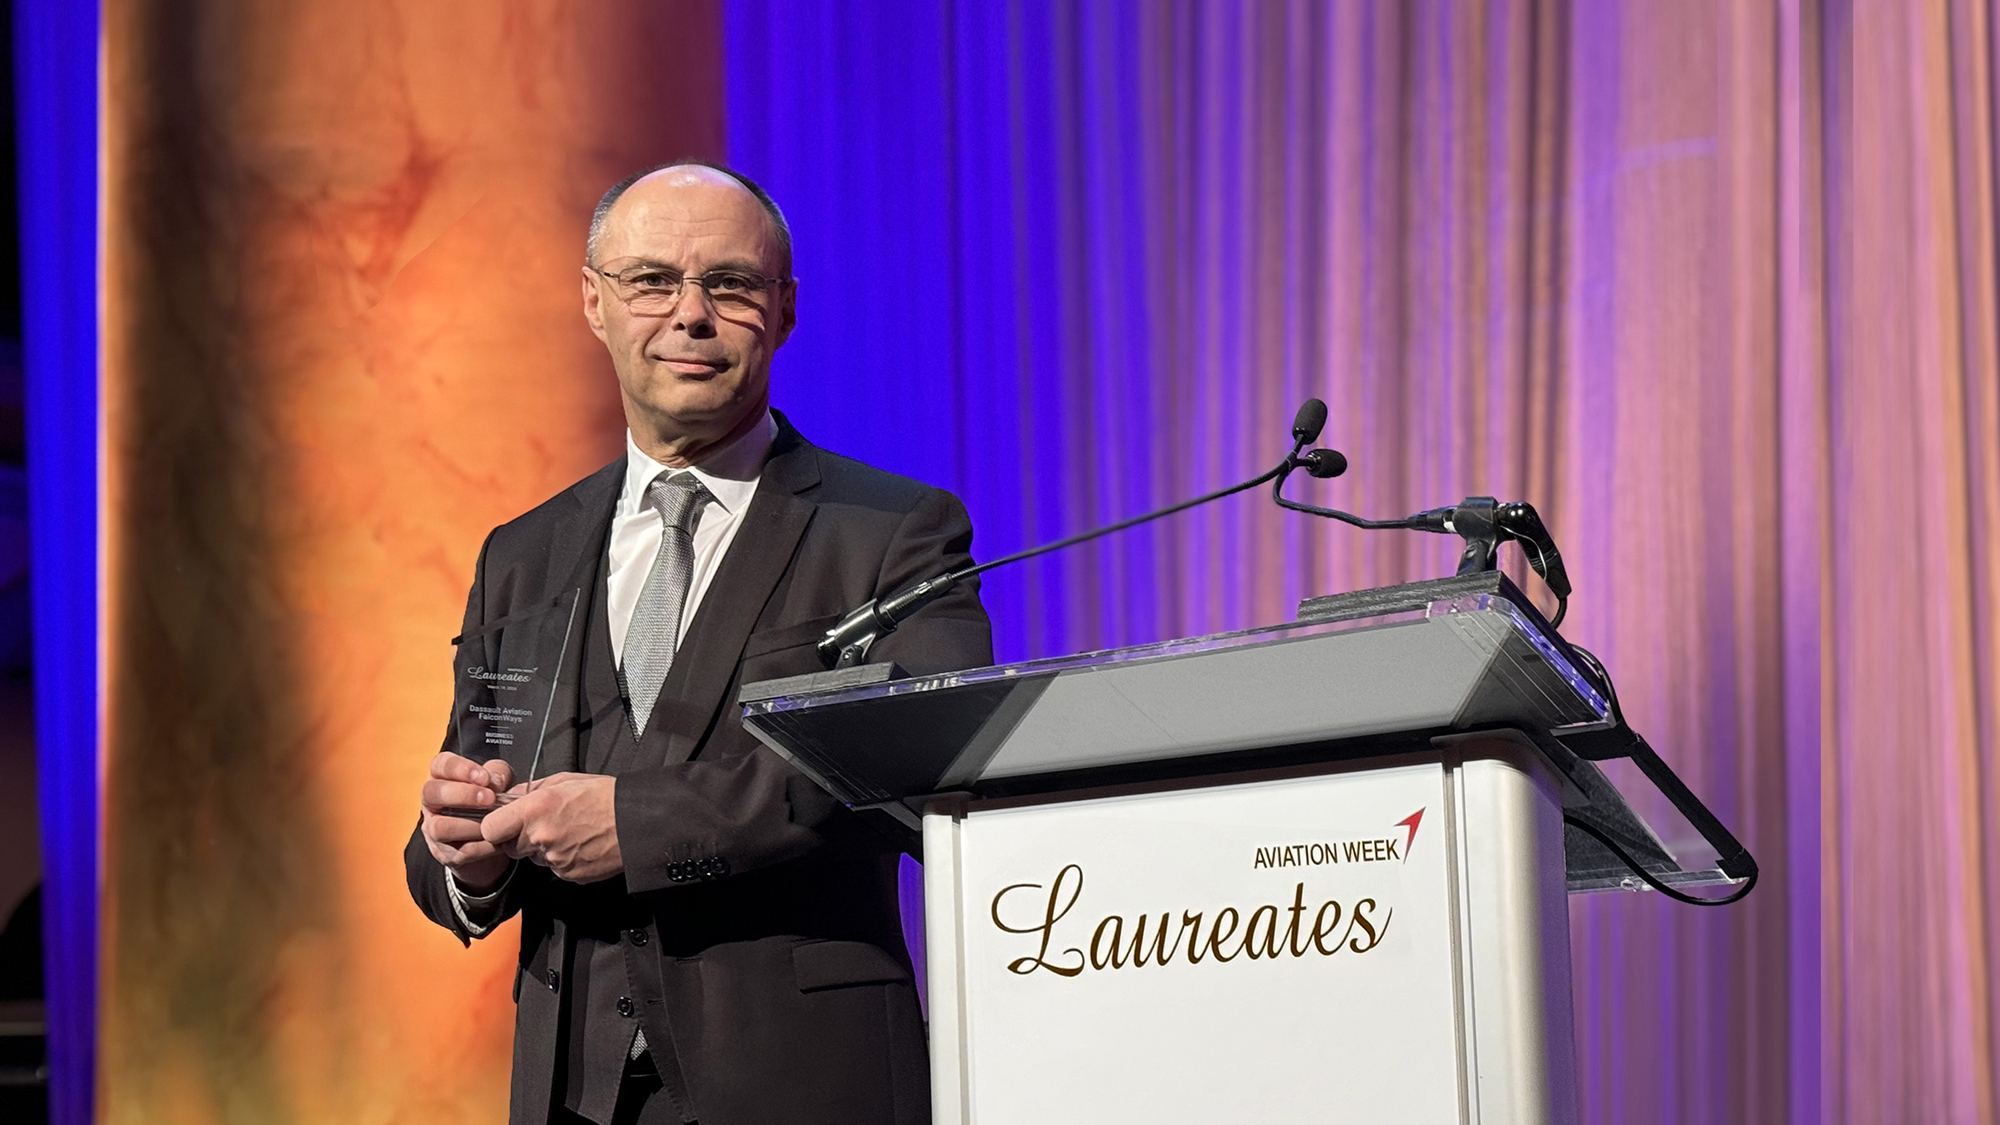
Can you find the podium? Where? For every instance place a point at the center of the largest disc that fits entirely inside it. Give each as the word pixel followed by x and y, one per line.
pixel 1304 873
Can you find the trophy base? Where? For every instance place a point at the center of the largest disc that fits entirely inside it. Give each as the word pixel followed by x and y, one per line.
pixel 500 800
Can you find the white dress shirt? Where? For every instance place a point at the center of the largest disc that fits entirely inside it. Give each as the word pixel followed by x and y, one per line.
pixel 731 475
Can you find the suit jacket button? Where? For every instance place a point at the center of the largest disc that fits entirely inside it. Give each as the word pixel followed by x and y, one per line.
pixel 638 938
pixel 625 1006
pixel 555 980
pixel 721 866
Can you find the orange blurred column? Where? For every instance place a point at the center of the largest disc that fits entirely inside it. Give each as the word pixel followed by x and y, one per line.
pixel 342 341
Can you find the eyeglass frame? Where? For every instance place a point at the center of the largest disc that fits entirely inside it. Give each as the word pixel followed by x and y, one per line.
pixel 620 285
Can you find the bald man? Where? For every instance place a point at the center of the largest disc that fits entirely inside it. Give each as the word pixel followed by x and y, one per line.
pixel 706 935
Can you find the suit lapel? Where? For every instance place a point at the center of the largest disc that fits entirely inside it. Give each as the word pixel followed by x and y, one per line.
pixel 576 547
pixel 758 558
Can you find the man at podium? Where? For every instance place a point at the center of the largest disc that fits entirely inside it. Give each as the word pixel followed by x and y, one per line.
pixel 705 934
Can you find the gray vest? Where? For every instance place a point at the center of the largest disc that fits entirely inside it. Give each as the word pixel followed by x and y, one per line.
pixel 598 1002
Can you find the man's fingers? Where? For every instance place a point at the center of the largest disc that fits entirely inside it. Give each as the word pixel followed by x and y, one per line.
pixel 504 823
pixel 455 795
pixel 448 766
pixel 456 856
pixel 500 774
pixel 473 852
pixel 452 830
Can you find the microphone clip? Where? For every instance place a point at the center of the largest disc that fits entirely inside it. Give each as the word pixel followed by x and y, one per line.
pixel 1476 519
pixel 1485 523
pixel 847 644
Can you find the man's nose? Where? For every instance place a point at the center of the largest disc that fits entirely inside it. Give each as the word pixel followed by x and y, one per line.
pixel 693 313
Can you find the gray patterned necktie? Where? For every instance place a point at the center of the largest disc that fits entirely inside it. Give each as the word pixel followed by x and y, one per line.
pixel 656 620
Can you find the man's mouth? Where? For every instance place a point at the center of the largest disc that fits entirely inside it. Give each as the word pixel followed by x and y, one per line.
pixel 694 365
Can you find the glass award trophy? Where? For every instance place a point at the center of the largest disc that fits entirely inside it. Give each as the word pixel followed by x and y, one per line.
pixel 506 676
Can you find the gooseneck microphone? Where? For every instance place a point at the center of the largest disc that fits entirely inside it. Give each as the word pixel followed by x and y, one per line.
pixel 847 643
pixel 1483 522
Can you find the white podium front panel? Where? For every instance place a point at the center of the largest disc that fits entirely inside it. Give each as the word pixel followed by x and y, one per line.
pixel 1273 952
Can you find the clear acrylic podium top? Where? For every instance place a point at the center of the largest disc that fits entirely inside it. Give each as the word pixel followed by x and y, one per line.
pixel 1371 674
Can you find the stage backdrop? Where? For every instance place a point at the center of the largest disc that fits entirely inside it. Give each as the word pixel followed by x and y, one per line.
pixel 1082 259
pixel 1711 283
pixel 343 339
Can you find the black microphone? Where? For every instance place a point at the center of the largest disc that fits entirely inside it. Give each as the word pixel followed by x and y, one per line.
pixel 1521 523
pixel 847 643
pixel 1307 424
pixel 1324 463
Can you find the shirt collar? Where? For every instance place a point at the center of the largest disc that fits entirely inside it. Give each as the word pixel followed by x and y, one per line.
pixel 730 474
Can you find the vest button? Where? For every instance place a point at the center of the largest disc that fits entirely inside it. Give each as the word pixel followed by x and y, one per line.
pixel 638 938
pixel 555 980
pixel 625 1006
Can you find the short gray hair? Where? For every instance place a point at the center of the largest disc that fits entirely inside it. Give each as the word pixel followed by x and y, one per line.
pixel 778 224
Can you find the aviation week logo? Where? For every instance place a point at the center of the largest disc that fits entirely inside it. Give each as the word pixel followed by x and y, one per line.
pixel 1269 931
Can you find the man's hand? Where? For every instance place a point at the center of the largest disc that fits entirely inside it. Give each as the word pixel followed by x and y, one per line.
pixel 565 823
pixel 455 782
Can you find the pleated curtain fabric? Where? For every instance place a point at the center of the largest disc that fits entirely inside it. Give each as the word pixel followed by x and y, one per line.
pixel 1710 283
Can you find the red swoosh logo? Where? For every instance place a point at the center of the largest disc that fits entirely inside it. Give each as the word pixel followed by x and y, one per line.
pixel 1410 822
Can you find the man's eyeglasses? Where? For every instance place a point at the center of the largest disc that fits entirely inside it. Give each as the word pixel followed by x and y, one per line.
pixel 653 290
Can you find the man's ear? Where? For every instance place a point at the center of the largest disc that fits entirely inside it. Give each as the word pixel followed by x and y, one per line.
pixel 788 310
pixel 593 306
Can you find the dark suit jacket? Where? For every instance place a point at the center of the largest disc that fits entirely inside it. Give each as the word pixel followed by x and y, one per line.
pixel 757 916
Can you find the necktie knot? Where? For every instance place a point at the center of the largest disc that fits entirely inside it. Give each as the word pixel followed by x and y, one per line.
pixel 677 498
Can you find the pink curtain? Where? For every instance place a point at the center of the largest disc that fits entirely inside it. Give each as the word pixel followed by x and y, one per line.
pixel 1911 646
pixel 1711 282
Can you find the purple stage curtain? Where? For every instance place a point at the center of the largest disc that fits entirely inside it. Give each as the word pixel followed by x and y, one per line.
pixel 1912 644
pixel 1078 259
pixel 56 107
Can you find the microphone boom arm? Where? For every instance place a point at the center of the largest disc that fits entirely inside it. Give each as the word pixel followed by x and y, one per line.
pixel 1483 522
pixel 847 643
